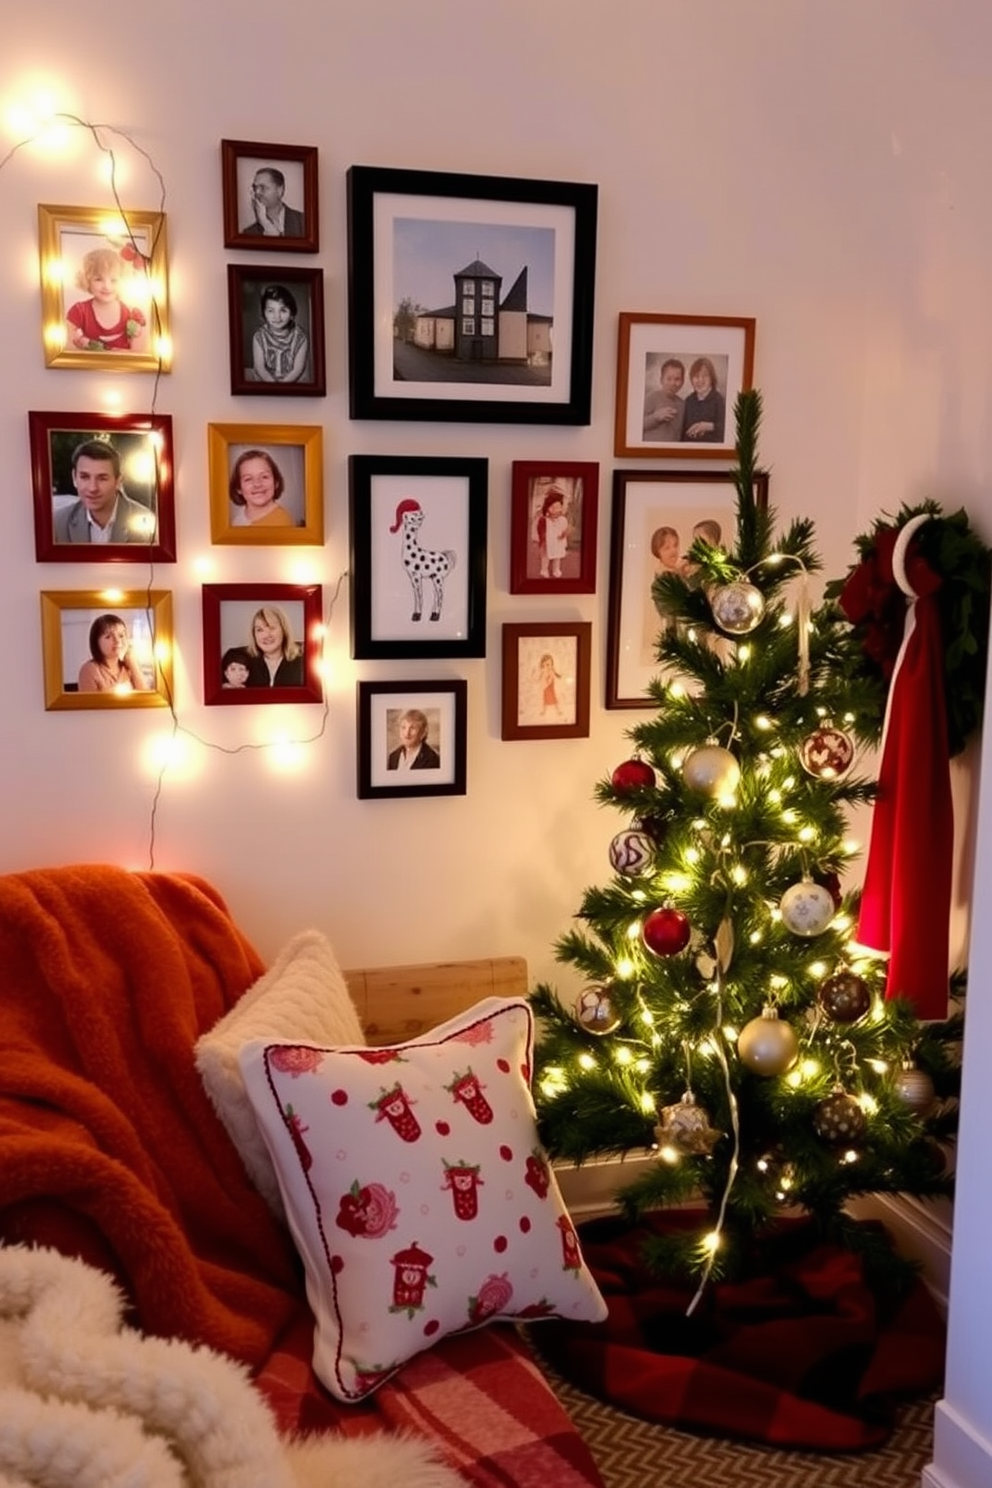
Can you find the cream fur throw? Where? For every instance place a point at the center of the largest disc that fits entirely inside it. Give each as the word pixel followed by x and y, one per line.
pixel 87 1403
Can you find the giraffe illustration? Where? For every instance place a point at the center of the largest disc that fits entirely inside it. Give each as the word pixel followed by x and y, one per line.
pixel 421 563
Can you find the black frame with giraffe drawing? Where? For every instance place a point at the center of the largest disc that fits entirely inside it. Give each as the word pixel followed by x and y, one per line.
pixel 418 556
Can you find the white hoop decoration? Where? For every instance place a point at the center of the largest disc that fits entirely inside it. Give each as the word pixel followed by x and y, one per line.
pixel 902 547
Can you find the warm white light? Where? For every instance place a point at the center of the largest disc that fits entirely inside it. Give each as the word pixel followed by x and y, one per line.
pixel 763 722
pixel 624 968
pixel 879 1066
pixel 711 1242
pixel 111 596
pixel 669 1155
pixel 639 895
pixel 850 847
pixel 842 922
pixel 755 937
pixel 286 754
pixel 868 1103
pixel 622 1055
pixel 739 874
pixel 818 968
pixel 587 1062
pixel 642 1066
pixel 692 854
pixel 730 1033
pixel 677 690
pixel 807 834
pixel 809 1068
pixel 850 1156
pixel 634 930
pixel 743 653
pixel 647 1103
pixel 203 566
pixel 785 619
pixel 778 982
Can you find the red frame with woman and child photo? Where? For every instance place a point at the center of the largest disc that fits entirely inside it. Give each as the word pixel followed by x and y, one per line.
pixel 104 289
pixel 553 518
pixel 546 680
pixel 678 379
pixel 276 326
pixel 234 666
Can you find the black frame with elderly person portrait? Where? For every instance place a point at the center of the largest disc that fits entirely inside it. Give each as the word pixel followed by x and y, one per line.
pixel 270 197
pixel 92 470
pixel 678 378
pixel 84 670
pixel 237 667
pixel 412 738
pixel 266 483
pixel 276 325
pixel 104 289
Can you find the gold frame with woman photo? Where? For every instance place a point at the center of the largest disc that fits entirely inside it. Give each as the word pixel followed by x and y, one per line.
pixel 66 614
pixel 722 346
pixel 300 466
pixel 66 235
pixel 225 607
pixel 243 158
pixel 442 706
pixel 546 669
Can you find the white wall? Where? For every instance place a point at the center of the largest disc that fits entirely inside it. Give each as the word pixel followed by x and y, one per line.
pixel 822 167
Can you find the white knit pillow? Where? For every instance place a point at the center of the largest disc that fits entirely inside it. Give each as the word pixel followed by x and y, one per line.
pixel 417 1190
pixel 303 996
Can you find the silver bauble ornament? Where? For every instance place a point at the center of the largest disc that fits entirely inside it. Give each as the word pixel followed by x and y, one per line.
pixel 595 1012
pixel 827 753
pixel 914 1088
pixel 632 853
pixel 711 770
pixel 767 1045
pixel 807 908
pixel 737 607
pixel 687 1126
pixel 839 1120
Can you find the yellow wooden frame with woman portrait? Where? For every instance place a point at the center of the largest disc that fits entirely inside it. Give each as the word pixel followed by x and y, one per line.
pixel 68 618
pixel 296 451
pixel 73 241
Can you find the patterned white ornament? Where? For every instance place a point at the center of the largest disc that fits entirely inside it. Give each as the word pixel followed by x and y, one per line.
pixel 827 753
pixel 807 908
pixel 632 853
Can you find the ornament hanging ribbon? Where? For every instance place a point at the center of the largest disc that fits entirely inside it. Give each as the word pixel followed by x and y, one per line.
pixel 906 900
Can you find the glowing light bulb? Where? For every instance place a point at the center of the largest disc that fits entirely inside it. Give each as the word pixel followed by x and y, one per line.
pixel 743 653
pixel 711 1242
pixel 624 968
pixel 622 1055
pixel 739 874
pixel 587 1062
pixel 634 930
pixel 647 1103
pixel 785 620
pixel 763 722
pixel 806 834
pixel 669 1155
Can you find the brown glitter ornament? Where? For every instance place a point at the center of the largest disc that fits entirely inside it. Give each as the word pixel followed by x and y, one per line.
pixel 844 997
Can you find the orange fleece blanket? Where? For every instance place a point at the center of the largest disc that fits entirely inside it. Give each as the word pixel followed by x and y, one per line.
pixel 109 1148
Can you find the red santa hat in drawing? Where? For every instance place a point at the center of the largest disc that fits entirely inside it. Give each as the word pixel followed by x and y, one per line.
pixel 406 505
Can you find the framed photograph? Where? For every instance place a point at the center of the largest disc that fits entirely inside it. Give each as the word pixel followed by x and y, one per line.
pixel 101 653
pixel 270 197
pixel 276 322
pixel 546 680
pixel 411 738
pixel 262 643
pixel 553 527
pixel 104 289
pixel 103 487
pixel 656 518
pixel 266 483
pixel 678 377
pixel 470 297
pixel 418 556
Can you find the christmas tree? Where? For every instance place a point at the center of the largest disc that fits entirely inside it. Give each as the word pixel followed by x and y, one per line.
pixel 729 1020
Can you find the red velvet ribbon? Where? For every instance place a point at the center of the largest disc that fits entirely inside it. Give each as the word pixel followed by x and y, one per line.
pixel 906 899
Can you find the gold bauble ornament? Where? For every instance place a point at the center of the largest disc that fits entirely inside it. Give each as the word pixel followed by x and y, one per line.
pixel 687 1127
pixel 711 770
pixel 767 1045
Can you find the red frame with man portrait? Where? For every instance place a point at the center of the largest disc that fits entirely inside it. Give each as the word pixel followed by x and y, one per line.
pixel 215 596
pixel 234 153
pixel 46 461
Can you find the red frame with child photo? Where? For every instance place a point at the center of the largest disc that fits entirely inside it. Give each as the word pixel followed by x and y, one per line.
pixel 553 520
pixel 546 670
pixel 104 289
pixel 276 324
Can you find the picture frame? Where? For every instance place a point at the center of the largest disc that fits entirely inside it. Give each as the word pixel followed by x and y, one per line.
pixel 429 253
pixel 261 183
pixel 553 523
pixel 546 669
pixel 648 506
pixel 229 613
pixel 418 556
pixel 88 469
pixel 78 669
pixel 299 364
pixel 653 399
pixel 435 734
pixel 126 330
pixel 261 472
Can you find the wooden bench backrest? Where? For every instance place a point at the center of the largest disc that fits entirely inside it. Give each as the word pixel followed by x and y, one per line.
pixel 400 1002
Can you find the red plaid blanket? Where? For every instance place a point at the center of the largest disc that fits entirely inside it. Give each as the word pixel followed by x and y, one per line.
pixel 479 1397
pixel 800 1355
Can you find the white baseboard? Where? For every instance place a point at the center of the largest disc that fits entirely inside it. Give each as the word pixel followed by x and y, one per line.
pixel 962 1457
pixel 589 1190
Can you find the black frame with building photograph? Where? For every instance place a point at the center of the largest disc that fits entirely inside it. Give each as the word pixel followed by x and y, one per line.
pixel 470 298
pixel 241 160
pixel 651 417
pixel 442 705
pixel 140 445
pixel 245 287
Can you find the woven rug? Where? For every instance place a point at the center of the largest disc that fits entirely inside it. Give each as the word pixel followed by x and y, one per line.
pixel 632 1453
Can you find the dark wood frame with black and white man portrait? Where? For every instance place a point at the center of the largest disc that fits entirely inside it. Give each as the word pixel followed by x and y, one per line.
pixel 270 197
pixel 239 666
pixel 276 325
pixel 102 487
pixel 412 738
pixel 470 298
pixel 418 556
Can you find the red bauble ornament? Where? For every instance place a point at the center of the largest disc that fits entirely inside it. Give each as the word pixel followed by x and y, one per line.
pixel 666 931
pixel 633 775
pixel 827 753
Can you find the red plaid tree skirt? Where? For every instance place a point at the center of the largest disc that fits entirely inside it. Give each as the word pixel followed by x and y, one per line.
pixel 799 1353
